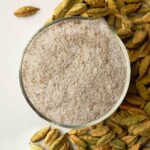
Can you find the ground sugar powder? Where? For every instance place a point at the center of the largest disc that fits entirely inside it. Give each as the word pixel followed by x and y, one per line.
pixel 74 71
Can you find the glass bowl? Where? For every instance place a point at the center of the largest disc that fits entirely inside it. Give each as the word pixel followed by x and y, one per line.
pixel 107 114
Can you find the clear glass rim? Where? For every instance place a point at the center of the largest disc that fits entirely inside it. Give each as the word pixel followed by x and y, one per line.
pixel 94 121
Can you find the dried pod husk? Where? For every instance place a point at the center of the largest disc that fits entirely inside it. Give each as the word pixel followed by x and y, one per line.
pixel 142 91
pixel 145 63
pixel 26 11
pixel 89 139
pixel 35 147
pixel 131 128
pixel 133 120
pixel 145 49
pixel 117 143
pixel 132 89
pixel 145 80
pixel 141 128
pixel 96 3
pixel 133 55
pixel 114 126
pixel 104 140
pixel 147 108
pixel 129 140
pixel 98 12
pixel 62 8
pixel 77 141
pixel 139 36
pixel 130 8
pixel 135 100
pixel 51 136
pixel 79 131
pixel 58 142
pixel 40 135
pixel 77 9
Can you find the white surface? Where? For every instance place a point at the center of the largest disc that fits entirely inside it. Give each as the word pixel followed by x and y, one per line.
pixel 17 120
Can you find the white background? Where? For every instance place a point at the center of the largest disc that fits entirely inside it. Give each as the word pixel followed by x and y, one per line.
pixel 17 120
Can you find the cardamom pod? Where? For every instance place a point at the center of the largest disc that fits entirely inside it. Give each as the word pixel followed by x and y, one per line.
pixel 78 141
pixel 35 147
pixel 141 128
pixel 98 12
pixel 133 55
pixel 58 142
pixel 76 9
pixel 144 66
pixel 142 90
pixel 51 136
pixel 147 108
pixel 62 8
pixel 99 131
pixel 129 139
pixel 145 80
pixel 144 50
pixel 79 131
pixel 130 8
pixel 106 147
pixel 39 135
pixel 104 140
pixel 96 3
pixel 114 126
pixel 135 147
pixel 133 1
pixel 117 143
pixel 89 139
pixel 81 148
pixel 26 11
pixel 135 100
pixel 111 20
pixel 136 111
pixel 65 146
pixel 133 120
pixel 139 36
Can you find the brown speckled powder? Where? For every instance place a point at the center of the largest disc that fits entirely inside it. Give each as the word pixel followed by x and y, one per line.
pixel 74 71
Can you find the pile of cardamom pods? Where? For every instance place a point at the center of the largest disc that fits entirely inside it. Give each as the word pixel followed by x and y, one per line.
pixel 129 126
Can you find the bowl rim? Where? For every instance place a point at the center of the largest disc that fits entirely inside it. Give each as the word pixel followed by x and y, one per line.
pixel 94 121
